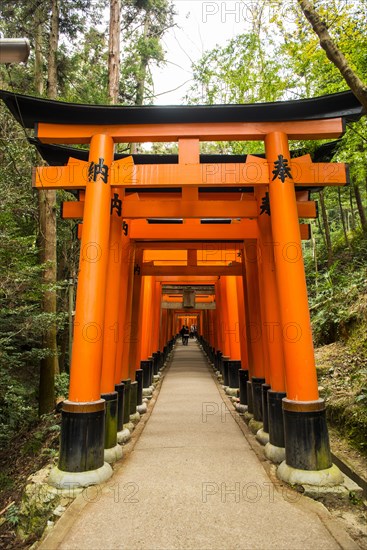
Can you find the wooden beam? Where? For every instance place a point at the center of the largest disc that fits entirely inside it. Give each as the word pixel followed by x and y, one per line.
pixel 206 246
pixel 141 230
pixel 223 131
pixel 198 305
pixel 189 280
pixel 184 270
pixel 155 208
pixel 75 174
pixel 246 229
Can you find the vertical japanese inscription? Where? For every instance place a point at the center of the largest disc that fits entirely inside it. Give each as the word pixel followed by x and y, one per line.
pixel 98 169
pixel 281 169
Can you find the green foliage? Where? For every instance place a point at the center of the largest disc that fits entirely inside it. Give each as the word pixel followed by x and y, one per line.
pixel 238 73
pixel 62 384
pixel 34 444
pixel 12 515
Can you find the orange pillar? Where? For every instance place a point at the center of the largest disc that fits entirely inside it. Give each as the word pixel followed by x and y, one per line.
pixel 163 330
pixel 212 327
pixel 292 291
pixel 135 328
pixel 218 303
pixel 254 330
pixel 242 323
pixel 122 373
pixel 111 330
pixel 232 315
pixel 224 318
pixel 272 330
pixel 255 348
pixel 306 437
pixel 123 344
pixel 113 285
pixel 146 318
pixel 156 316
pixel 244 372
pixel 82 446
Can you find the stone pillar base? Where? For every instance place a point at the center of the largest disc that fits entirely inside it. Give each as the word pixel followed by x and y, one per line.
pixel 71 480
pixel 113 455
pixel 134 418
pixel 248 416
pixel 322 478
pixel 123 436
pixel 262 436
pixel 142 409
pixel 255 425
pixel 240 408
pixel 274 454
pixel 233 392
pixel 129 426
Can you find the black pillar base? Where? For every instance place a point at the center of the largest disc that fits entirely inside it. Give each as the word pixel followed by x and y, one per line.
pixel 275 413
pixel 151 370
pixel 218 361
pixel 133 397
pixel 139 379
pixel 225 363
pixel 257 398
pixel 120 388
pixel 306 435
pixel 127 384
pixel 250 405
pixel 146 368
pixel 233 369
pixel 110 435
pixel 264 398
pixel 243 379
pixel 82 436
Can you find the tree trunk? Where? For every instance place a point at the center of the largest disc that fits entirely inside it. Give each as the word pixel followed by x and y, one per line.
pixel 142 73
pixel 38 60
pixel 114 51
pixel 47 220
pixel 353 218
pixel 361 211
pixel 342 218
pixel 52 56
pixel 326 229
pixel 358 87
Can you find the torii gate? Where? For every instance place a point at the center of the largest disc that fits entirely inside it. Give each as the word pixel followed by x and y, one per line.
pixel 266 286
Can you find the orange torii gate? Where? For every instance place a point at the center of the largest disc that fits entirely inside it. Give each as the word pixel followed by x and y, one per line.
pixel 265 289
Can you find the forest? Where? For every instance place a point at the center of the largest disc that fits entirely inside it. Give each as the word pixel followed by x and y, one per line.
pixel 274 59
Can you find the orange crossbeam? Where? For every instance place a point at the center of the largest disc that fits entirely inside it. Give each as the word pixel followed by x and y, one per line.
pixel 142 209
pixel 184 270
pixel 239 131
pixel 203 246
pixel 246 229
pixel 141 230
pixel 251 173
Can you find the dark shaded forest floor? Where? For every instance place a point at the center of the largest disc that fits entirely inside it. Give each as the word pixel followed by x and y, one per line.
pixel 27 453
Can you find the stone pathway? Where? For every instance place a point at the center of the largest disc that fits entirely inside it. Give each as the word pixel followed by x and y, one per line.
pixel 193 482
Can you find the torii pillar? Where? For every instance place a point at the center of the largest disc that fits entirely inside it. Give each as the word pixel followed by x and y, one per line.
pixel 307 450
pixel 81 460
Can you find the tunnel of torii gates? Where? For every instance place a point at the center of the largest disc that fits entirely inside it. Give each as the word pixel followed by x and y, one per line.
pixel 220 234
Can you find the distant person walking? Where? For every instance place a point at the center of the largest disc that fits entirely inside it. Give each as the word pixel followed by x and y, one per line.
pixel 185 337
